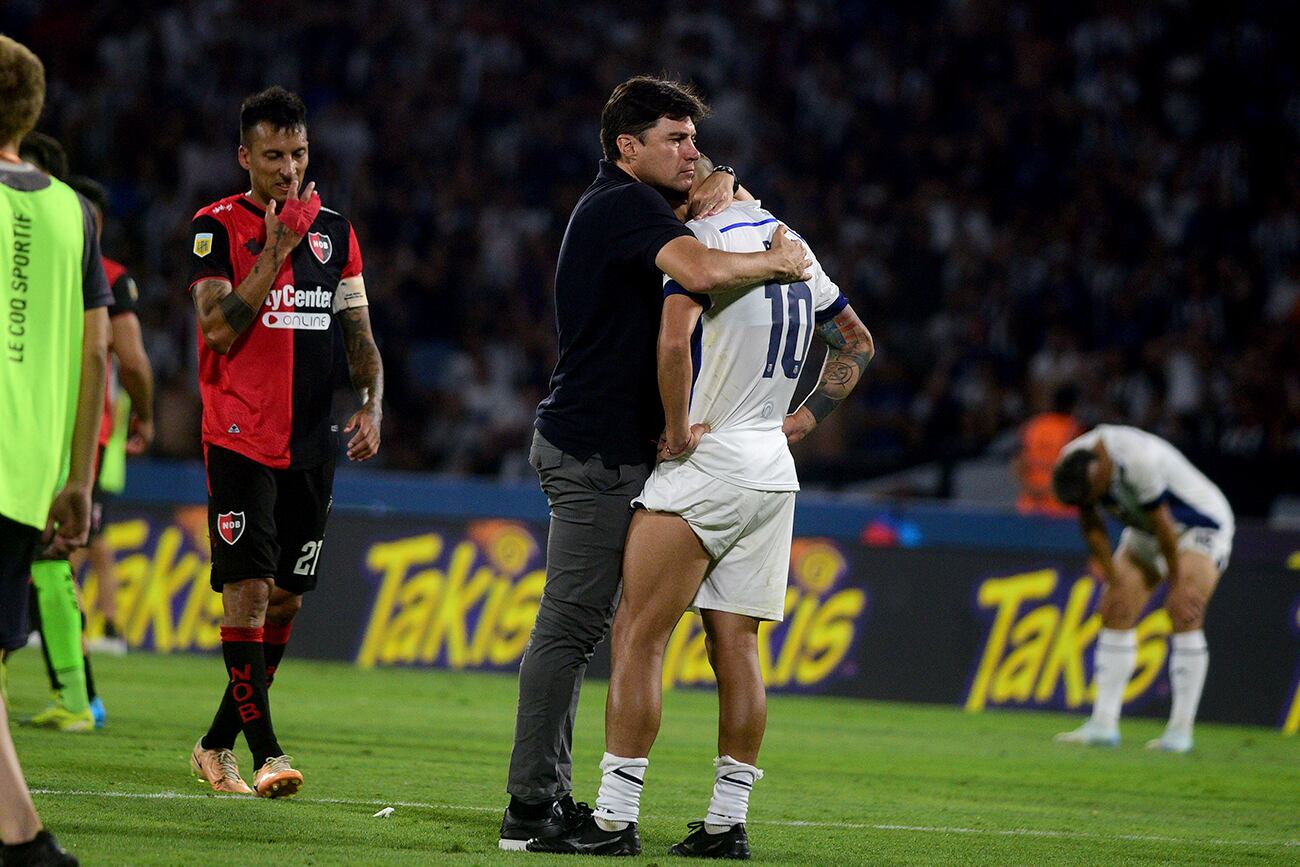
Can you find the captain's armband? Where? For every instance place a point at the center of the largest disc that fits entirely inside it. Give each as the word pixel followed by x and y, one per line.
pixel 351 292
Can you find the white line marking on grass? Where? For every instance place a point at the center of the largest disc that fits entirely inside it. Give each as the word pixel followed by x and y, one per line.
pixel 784 823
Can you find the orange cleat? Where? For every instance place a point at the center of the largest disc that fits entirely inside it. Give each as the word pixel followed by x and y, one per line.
pixel 275 779
pixel 219 769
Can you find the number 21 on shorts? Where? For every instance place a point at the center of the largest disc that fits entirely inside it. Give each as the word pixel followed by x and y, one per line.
pixel 306 564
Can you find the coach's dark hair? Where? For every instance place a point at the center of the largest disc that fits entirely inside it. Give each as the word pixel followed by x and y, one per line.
pixel 1070 477
pixel 91 190
pixel 282 109
pixel 44 152
pixel 638 103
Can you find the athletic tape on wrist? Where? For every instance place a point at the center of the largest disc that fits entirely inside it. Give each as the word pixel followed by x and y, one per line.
pixel 297 215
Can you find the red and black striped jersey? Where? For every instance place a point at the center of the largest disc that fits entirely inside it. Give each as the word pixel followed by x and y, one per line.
pixel 269 397
pixel 125 295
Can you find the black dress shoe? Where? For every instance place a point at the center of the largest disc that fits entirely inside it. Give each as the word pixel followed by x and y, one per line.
pixel 731 843
pixel 42 851
pixel 588 838
pixel 516 830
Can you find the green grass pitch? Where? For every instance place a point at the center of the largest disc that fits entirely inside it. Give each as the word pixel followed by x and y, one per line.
pixel 848 782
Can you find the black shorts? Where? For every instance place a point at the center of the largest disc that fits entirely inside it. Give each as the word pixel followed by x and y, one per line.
pixel 17 544
pixel 264 522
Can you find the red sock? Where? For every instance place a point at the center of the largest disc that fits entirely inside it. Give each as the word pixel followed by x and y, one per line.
pixel 274 638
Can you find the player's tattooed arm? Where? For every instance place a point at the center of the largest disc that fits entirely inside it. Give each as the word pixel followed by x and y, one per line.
pixel 850 349
pixel 226 311
pixel 367 371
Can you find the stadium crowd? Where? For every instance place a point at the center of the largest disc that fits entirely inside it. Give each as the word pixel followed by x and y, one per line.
pixel 1014 195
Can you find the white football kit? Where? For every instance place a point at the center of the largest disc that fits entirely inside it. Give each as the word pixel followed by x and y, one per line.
pixel 1149 471
pixel 737 488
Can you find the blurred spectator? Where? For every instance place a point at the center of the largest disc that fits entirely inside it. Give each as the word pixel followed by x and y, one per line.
pixel 1041 441
pixel 1015 195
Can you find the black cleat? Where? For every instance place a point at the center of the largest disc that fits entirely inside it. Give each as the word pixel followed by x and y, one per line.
pixel 589 838
pixel 561 815
pixel 574 814
pixel 732 843
pixel 41 851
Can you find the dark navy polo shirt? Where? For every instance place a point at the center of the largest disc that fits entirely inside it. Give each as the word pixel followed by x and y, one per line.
pixel 608 295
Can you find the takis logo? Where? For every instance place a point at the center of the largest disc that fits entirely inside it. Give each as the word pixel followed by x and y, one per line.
pixel 321 246
pixel 230 526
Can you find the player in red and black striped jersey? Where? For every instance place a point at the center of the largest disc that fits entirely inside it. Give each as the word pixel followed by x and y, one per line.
pixel 271 274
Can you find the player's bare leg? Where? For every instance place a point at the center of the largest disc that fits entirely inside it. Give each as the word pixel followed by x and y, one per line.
pixel 663 566
pixel 1115 657
pixel 18 820
pixel 101 560
pixel 1189 657
pixel 732 644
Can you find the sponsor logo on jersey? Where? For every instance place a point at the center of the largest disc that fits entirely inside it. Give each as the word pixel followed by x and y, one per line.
pixel 202 243
pixel 289 297
pixel 234 428
pixel 230 526
pixel 287 308
pixel 321 246
pixel 298 321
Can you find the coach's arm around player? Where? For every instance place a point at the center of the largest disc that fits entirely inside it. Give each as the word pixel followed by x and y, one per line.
pixel 849 349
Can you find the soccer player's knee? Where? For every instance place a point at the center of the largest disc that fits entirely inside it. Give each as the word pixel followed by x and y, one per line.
pixel 1118 613
pixel 1186 609
pixel 282 611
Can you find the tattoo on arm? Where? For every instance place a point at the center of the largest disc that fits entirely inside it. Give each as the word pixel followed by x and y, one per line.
pixel 237 313
pixel 364 364
pixel 849 351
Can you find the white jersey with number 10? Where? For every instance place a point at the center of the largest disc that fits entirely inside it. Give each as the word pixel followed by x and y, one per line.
pixel 748 351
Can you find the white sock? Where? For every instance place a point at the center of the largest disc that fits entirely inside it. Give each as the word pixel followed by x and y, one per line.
pixel 732 783
pixel 1188 663
pixel 1113 662
pixel 619 800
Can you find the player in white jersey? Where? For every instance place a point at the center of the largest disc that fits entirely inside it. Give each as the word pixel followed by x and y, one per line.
pixel 713 525
pixel 1178 529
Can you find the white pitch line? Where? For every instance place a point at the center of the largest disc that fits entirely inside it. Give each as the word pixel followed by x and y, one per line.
pixel 784 823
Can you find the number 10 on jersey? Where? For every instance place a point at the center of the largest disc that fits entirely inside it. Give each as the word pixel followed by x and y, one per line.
pixel 795 298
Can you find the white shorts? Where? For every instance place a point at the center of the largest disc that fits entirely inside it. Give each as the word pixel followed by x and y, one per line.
pixel 1213 543
pixel 745 532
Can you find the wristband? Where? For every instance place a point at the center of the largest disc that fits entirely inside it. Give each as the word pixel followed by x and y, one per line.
pixel 735 182
pixel 237 313
pixel 297 215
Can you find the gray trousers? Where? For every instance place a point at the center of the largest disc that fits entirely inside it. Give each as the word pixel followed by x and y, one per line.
pixel 590 513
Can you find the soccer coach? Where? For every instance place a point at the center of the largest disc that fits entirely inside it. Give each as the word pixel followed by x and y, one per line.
pixel 596 434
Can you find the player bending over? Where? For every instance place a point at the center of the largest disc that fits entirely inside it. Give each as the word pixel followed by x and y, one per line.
pixel 713 525
pixel 1178 529
pixel 267 306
